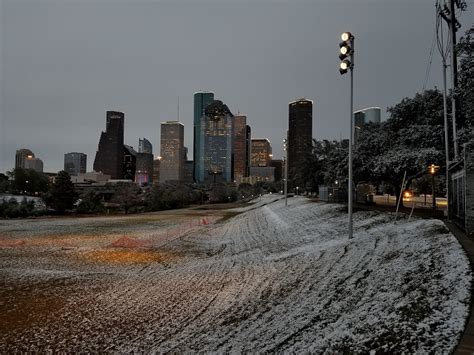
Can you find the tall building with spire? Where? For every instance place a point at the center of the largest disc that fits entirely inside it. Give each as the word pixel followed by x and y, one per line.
pixel 300 134
pixel 109 156
pixel 201 101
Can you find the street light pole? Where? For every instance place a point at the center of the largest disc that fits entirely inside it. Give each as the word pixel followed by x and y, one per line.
pixel 351 138
pixel 347 51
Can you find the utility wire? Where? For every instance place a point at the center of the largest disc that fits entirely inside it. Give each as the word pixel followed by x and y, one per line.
pixel 428 68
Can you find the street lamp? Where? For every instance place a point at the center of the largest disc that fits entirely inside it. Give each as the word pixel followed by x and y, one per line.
pixel 297 188
pixel 346 49
pixel 433 169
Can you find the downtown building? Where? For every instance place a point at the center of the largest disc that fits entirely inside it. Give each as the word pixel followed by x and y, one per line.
pixel 75 163
pixel 129 162
pixel 21 156
pixel 242 146
pixel 201 101
pixel 300 134
pixel 370 115
pixel 261 161
pixel 172 152
pixel 25 159
pixel 215 161
pixel 109 158
pixel 34 163
pixel 144 163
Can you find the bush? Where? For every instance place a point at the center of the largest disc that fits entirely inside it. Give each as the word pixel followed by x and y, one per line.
pixel 13 209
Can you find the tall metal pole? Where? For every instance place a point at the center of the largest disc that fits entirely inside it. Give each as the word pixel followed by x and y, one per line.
pixel 446 143
pixel 286 177
pixel 351 137
pixel 454 75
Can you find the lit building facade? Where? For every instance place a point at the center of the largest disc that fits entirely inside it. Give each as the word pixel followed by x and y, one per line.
pixel 75 163
pixel 109 156
pixel 129 163
pixel 34 163
pixel 172 151
pixel 300 133
pixel 241 147
pixel 216 139
pixel 156 170
pixel 21 156
pixel 144 163
pixel 261 152
pixel 201 101
pixel 144 146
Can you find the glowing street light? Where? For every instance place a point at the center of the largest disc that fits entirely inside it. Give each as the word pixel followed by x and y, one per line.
pixel 346 55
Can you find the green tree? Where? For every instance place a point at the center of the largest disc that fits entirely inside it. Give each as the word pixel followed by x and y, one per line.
pixel 127 195
pixel 465 89
pixel 62 195
pixel 4 183
pixel 91 202
pixel 28 181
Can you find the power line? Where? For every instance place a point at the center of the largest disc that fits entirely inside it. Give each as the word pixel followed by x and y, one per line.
pixel 428 68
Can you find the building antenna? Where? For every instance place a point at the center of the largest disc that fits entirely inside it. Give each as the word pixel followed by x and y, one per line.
pixel 178 108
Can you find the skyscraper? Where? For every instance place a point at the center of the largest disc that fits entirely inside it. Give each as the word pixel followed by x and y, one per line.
pixel 261 152
pixel 34 163
pixel 129 162
pixel 201 100
pixel 216 138
pixel 109 156
pixel 144 146
pixel 75 163
pixel 172 151
pixel 144 164
pixel 20 157
pixel 241 159
pixel 363 117
pixel 300 133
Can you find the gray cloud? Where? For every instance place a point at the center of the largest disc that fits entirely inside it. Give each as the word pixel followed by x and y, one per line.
pixel 64 63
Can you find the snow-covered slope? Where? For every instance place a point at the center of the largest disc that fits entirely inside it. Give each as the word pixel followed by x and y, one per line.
pixel 273 278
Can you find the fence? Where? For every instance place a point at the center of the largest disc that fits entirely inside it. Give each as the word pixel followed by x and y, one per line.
pixel 461 190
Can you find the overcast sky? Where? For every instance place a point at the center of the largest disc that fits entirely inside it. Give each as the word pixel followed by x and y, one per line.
pixel 64 63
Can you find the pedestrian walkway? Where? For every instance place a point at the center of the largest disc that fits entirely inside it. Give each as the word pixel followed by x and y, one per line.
pixel 466 344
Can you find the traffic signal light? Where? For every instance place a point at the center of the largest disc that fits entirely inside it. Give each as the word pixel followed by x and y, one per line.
pixel 346 49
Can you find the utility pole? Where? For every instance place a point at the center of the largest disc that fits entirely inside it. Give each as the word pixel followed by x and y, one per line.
pixel 448 13
pixel 454 76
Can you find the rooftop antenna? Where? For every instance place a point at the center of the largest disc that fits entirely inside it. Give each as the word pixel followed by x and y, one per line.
pixel 178 108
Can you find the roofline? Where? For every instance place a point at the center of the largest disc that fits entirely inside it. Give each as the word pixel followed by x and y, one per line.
pixel 367 108
pixel 302 99
pixel 261 139
pixel 204 92
pixel 172 122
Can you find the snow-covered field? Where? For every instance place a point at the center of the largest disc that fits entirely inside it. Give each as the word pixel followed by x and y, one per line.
pixel 272 278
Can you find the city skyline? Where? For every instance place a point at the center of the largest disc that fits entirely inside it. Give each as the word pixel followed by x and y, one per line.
pixel 58 79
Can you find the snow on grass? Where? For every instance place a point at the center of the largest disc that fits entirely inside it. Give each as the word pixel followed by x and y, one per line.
pixel 272 278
